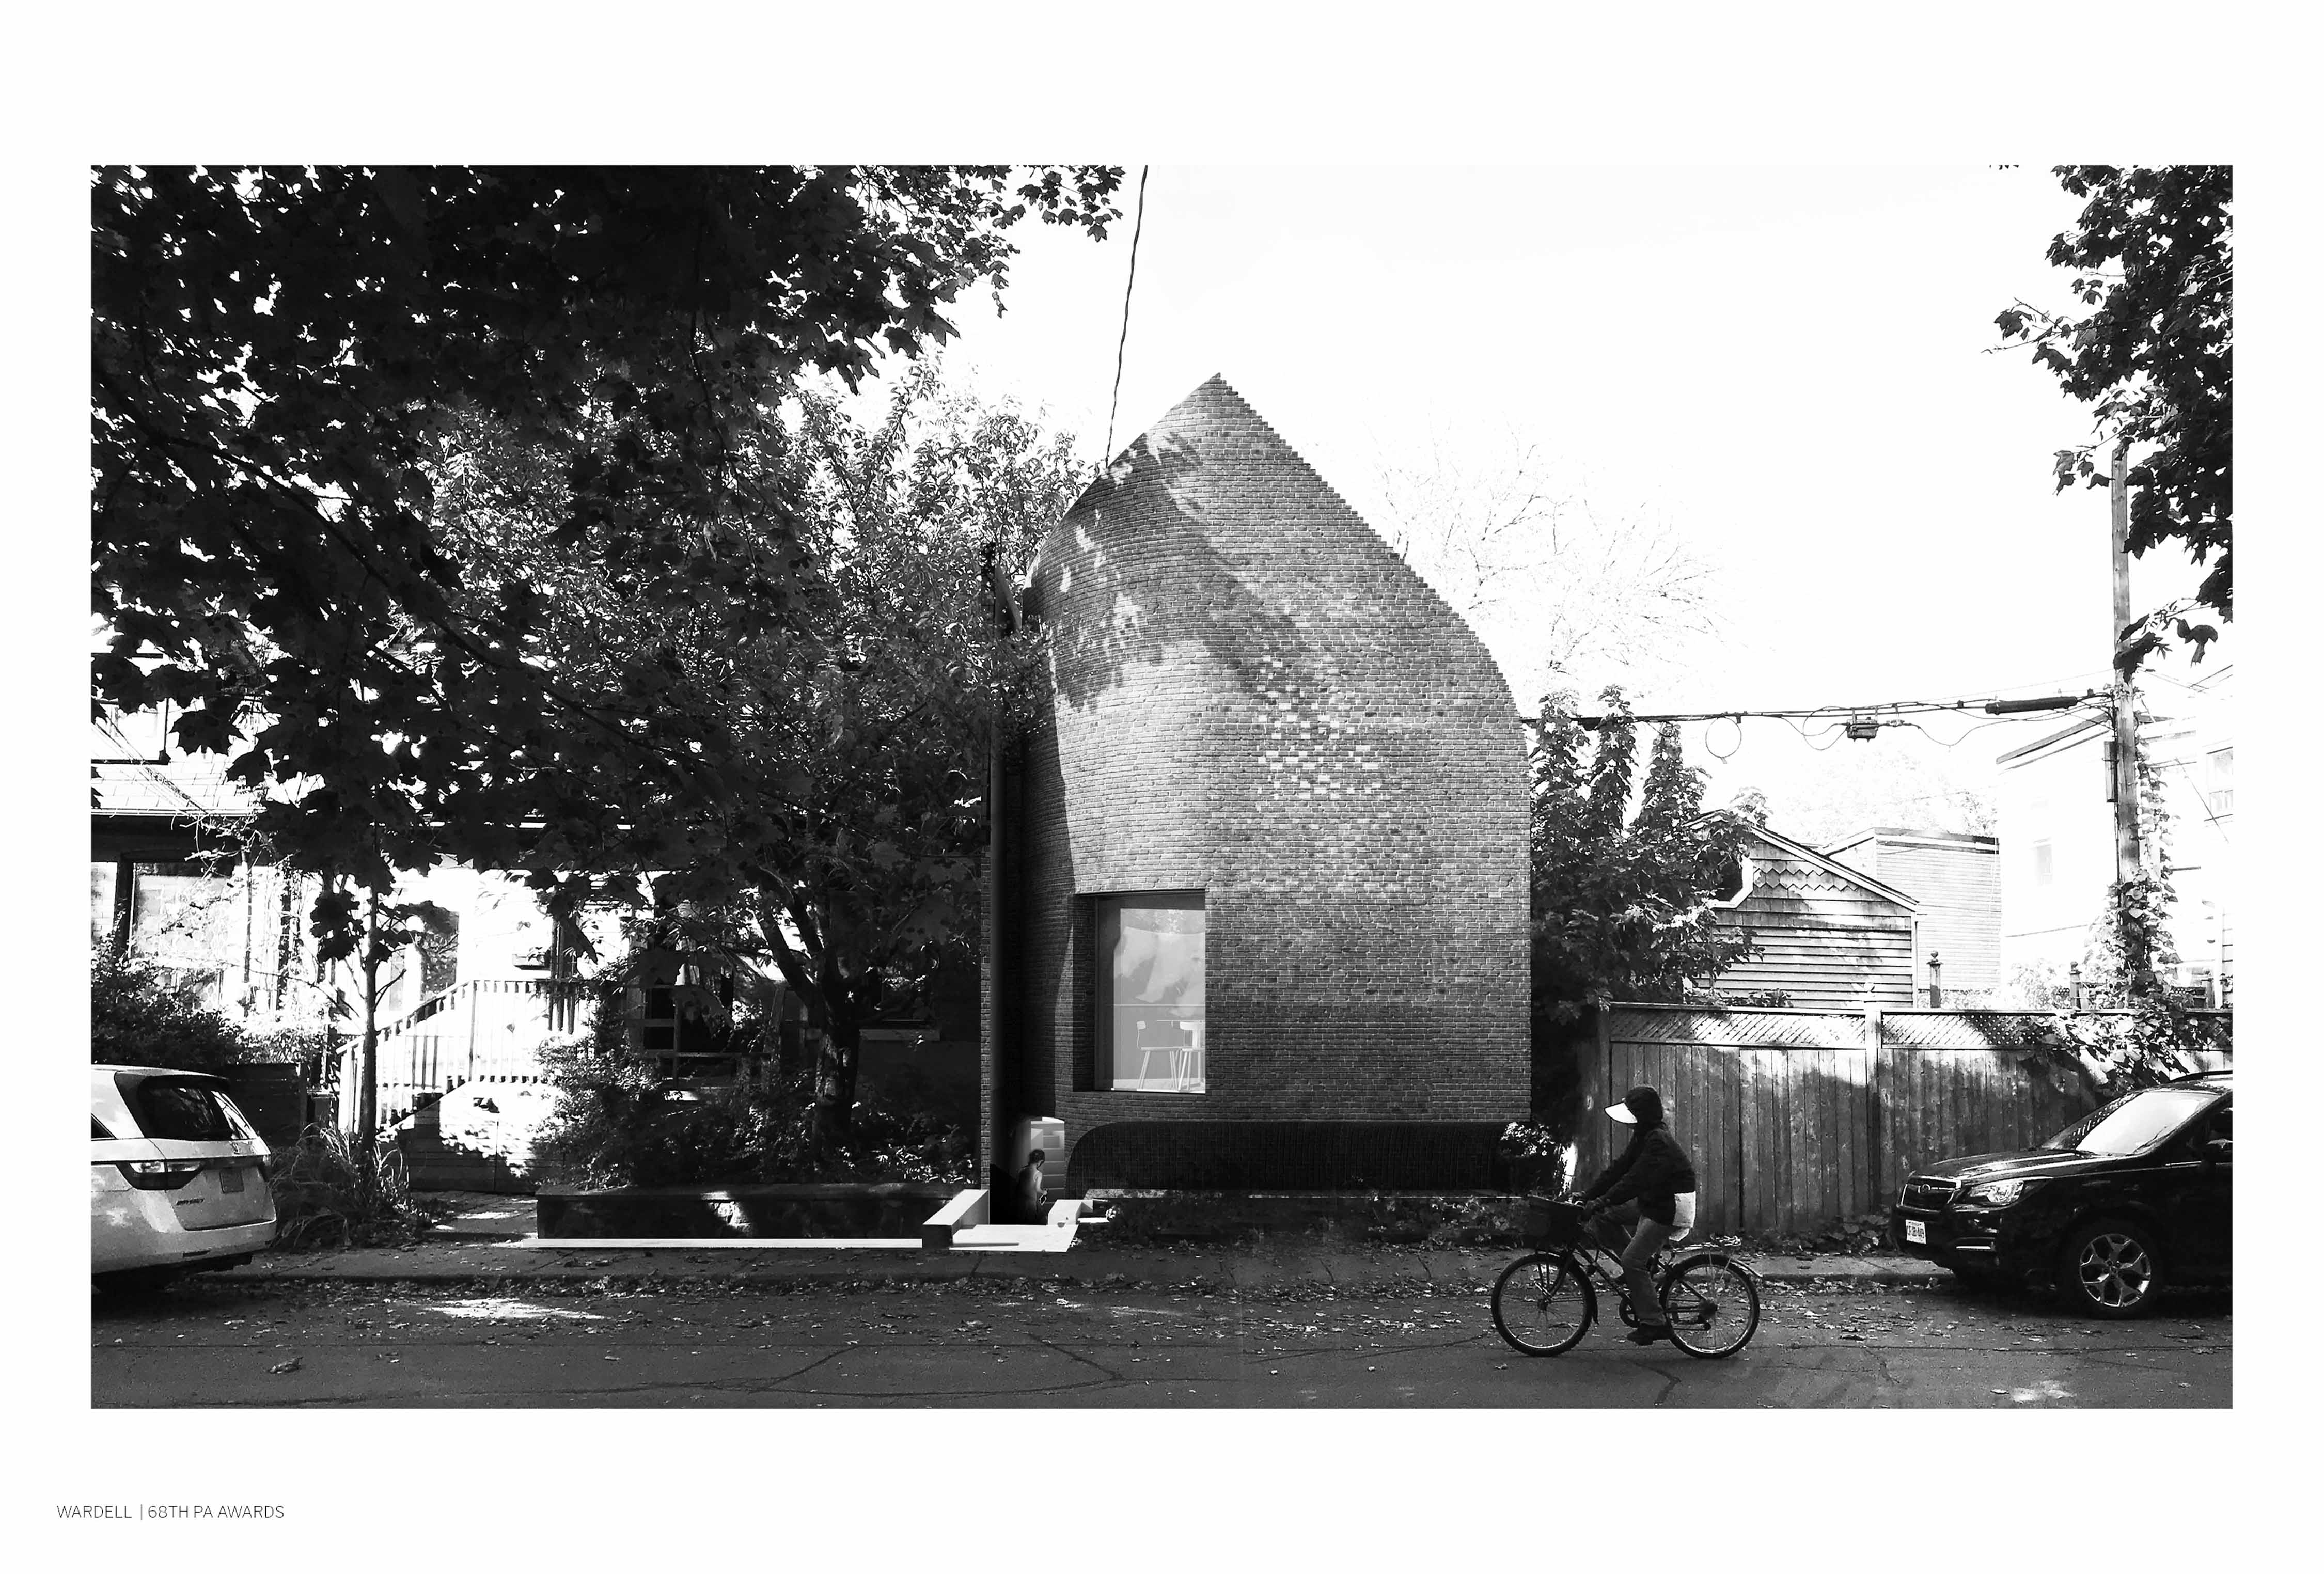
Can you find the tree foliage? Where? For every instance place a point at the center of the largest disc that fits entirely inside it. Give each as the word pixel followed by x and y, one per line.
pixel 2131 942
pixel 2152 262
pixel 850 739
pixel 140 1016
pixel 2130 1029
pixel 1621 893
pixel 286 363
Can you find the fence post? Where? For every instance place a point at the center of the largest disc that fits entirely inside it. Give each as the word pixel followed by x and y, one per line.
pixel 1876 1149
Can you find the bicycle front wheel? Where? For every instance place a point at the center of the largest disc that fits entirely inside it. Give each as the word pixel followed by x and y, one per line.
pixel 1544 1303
pixel 1712 1305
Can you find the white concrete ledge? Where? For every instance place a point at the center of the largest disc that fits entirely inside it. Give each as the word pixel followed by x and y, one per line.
pixel 1014 1237
pixel 713 1244
pixel 966 1210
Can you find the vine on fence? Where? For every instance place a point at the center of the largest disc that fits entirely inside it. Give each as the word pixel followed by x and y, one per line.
pixel 2158 1039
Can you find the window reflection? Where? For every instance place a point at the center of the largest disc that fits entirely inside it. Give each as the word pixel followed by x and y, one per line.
pixel 1149 1017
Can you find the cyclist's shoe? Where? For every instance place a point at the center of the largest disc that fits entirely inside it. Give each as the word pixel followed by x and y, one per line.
pixel 1648 1334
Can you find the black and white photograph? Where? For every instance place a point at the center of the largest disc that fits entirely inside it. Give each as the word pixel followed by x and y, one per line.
pixel 1219 818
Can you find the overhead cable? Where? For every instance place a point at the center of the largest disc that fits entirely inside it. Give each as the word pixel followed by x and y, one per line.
pixel 1122 348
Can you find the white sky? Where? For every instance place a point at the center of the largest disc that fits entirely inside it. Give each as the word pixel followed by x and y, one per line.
pixel 1788 365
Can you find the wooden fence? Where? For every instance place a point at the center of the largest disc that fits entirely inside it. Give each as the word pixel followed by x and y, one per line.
pixel 1797 1119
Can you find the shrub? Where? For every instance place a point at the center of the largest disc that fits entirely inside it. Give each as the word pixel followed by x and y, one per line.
pixel 140 1016
pixel 325 1193
pixel 618 1122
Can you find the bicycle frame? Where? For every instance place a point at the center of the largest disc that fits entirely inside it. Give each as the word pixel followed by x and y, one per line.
pixel 1599 1264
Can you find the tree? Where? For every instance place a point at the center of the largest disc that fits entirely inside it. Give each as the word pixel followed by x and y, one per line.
pixel 286 360
pixel 1620 895
pixel 1622 875
pixel 849 738
pixel 1567 592
pixel 2152 261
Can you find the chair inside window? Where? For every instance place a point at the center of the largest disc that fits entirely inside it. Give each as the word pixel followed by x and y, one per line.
pixel 1186 1058
pixel 1153 1039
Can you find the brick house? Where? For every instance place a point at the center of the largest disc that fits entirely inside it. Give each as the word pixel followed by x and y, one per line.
pixel 1260 911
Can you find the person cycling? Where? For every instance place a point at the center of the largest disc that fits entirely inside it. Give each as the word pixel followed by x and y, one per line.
pixel 1643 1202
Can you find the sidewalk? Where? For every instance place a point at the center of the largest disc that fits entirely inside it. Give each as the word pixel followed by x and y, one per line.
pixel 484 1240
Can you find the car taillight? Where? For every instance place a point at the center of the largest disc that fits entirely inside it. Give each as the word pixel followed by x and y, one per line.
pixel 159 1175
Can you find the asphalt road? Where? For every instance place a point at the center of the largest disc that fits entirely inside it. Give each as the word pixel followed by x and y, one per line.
pixel 211 1342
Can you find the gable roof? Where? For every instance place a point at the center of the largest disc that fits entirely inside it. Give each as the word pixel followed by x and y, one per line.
pixel 1809 855
pixel 1904 835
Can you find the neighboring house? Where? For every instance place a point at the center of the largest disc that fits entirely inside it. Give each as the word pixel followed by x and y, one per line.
pixel 1264 909
pixel 170 881
pixel 1828 936
pixel 1955 877
pixel 2056 821
pixel 470 1004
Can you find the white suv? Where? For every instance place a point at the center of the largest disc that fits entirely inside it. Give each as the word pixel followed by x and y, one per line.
pixel 177 1178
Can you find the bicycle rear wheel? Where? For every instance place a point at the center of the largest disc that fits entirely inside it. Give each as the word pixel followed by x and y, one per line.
pixel 1544 1303
pixel 1712 1305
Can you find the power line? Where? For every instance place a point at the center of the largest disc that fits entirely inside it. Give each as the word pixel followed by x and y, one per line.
pixel 1121 349
pixel 1995 706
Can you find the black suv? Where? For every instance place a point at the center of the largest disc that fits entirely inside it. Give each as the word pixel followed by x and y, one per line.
pixel 2127 1198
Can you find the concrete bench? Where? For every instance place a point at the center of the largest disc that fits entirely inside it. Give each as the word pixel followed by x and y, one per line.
pixel 966 1210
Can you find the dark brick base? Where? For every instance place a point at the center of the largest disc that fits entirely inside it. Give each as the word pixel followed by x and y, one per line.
pixel 892 1211
pixel 1292 1156
pixel 1334 1218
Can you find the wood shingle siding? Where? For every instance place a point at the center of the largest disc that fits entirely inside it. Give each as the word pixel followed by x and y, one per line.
pixel 1827 937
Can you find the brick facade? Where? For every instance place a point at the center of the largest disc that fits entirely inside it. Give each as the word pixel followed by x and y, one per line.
pixel 1253 697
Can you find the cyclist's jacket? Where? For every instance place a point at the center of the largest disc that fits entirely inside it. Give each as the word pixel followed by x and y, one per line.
pixel 1653 1169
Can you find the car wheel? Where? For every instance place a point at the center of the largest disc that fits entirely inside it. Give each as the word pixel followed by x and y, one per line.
pixel 132 1281
pixel 2109 1268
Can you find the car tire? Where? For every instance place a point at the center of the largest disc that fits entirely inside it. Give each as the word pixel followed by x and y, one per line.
pixel 2110 1268
pixel 134 1280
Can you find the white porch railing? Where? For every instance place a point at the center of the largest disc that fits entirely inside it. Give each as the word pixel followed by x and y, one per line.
pixel 480 1030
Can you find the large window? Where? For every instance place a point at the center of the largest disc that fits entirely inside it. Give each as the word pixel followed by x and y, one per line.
pixel 1149 982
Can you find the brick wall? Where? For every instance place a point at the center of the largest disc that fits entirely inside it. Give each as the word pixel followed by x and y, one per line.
pixel 1253 697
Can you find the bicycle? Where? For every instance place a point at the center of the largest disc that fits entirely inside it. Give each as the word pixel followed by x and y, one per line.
pixel 1545 1301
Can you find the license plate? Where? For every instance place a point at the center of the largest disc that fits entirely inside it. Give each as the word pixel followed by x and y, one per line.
pixel 230 1178
pixel 1916 1231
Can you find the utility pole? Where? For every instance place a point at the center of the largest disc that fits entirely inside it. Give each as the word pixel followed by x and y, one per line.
pixel 2125 723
